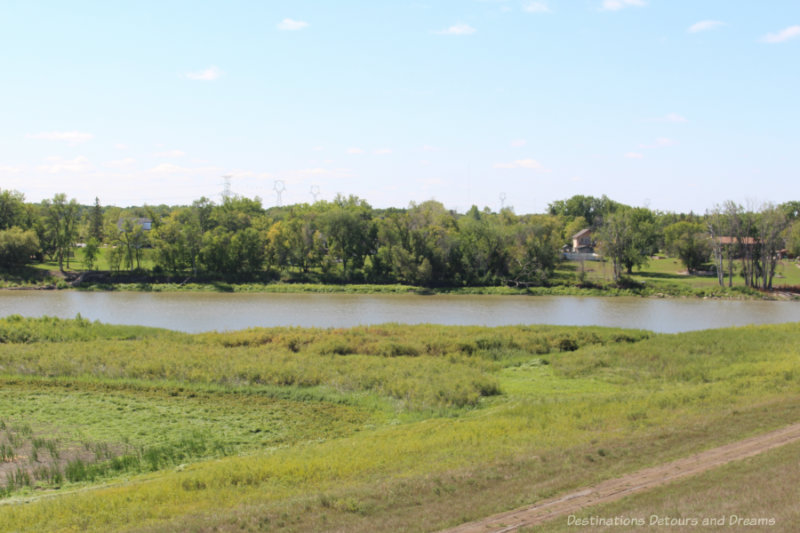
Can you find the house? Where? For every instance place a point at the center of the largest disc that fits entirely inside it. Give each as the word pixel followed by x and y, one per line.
pixel 145 223
pixel 582 241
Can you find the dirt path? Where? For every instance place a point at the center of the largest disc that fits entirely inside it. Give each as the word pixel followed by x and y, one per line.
pixel 614 489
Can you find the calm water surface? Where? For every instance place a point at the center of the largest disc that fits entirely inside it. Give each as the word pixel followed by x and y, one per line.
pixel 195 312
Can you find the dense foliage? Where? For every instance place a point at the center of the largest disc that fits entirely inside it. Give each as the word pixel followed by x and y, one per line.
pixel 349 241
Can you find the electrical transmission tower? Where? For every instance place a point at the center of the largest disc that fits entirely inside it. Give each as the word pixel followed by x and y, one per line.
pixel 226 187
pixel 279 187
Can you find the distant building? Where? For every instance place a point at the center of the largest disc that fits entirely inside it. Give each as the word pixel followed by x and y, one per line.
pixel 145 223
pixel 582 242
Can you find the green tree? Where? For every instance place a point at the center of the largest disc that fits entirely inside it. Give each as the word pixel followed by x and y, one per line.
pixel 592 209
pixel 349 231
pixel 134 240
pixel 771 225
pixel 793 239
pixel 178 240
pixel 483 248
pixel 61 223
pixel 90 252
pixel 688 242
pixel 17 246
pixel 12 209
pixel 96 221
pixel 628 238
pixel 534 250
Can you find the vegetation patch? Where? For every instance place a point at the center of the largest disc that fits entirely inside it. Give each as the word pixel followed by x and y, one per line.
pixel 410 427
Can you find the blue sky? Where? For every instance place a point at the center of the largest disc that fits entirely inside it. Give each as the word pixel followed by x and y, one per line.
pixel 674 104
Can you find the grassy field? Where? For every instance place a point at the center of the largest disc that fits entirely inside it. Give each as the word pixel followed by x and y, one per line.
pixel 764 488
pixel 670 275
pixel 375 428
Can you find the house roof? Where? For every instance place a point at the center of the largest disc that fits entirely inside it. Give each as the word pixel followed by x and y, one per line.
pixel 734 240
pixel 581 233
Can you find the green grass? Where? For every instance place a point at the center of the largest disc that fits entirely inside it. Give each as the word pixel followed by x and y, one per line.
pixel 375 428
pixel 668 276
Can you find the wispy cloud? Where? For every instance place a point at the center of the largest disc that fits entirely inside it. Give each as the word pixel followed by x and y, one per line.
pixel 171 153
pixel 616 5
pixel 429 148
pixel 56 165
pixel 536 7
pixel 661 142
pixel 634 155
pixel 382 151
pixel 169 168
pixel 292 25
pixel 355 151
pixel 705 25
pixel 210 74
pixel 457 29
pixel 72 137
pixel 516 143
pixel 782 36
pixel 9 169
pixel 521 163
pixel 121 163
pixel 674 117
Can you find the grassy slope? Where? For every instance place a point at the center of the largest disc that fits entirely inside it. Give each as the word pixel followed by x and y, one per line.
pixel 766 486
pixel 413 434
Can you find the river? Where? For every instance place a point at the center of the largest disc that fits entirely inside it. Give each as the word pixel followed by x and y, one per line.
pixel 196 312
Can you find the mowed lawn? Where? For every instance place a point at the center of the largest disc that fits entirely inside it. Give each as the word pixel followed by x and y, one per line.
pixel 666 272
pixel 109 428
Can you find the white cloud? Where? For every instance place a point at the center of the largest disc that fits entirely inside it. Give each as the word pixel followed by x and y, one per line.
pixel 355 151
pixel 634 155
pixel 521 163
pixel 616 5
pixel 121 163
pixel 210 74
pixel 516 143
pixel 292 25
pixel 705 25
pixel 458 29
pixel 536 7
pixel 319 173
pixel 429 148
pixel 661 142
pixel 314 171
pixel 382 151
pixel 674 117
pixel 8 169
pixel 120 146
pixel 72 137
pixel 782 36
pixel 169 168
pixel 171 153
pixel 56 165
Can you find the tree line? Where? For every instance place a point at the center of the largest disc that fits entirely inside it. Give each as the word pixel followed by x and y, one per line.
pixel 347 240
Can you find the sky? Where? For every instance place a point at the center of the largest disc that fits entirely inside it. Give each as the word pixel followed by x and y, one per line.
pixel 676 105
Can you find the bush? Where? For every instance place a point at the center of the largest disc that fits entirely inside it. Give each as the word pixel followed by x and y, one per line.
pixel 17 246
